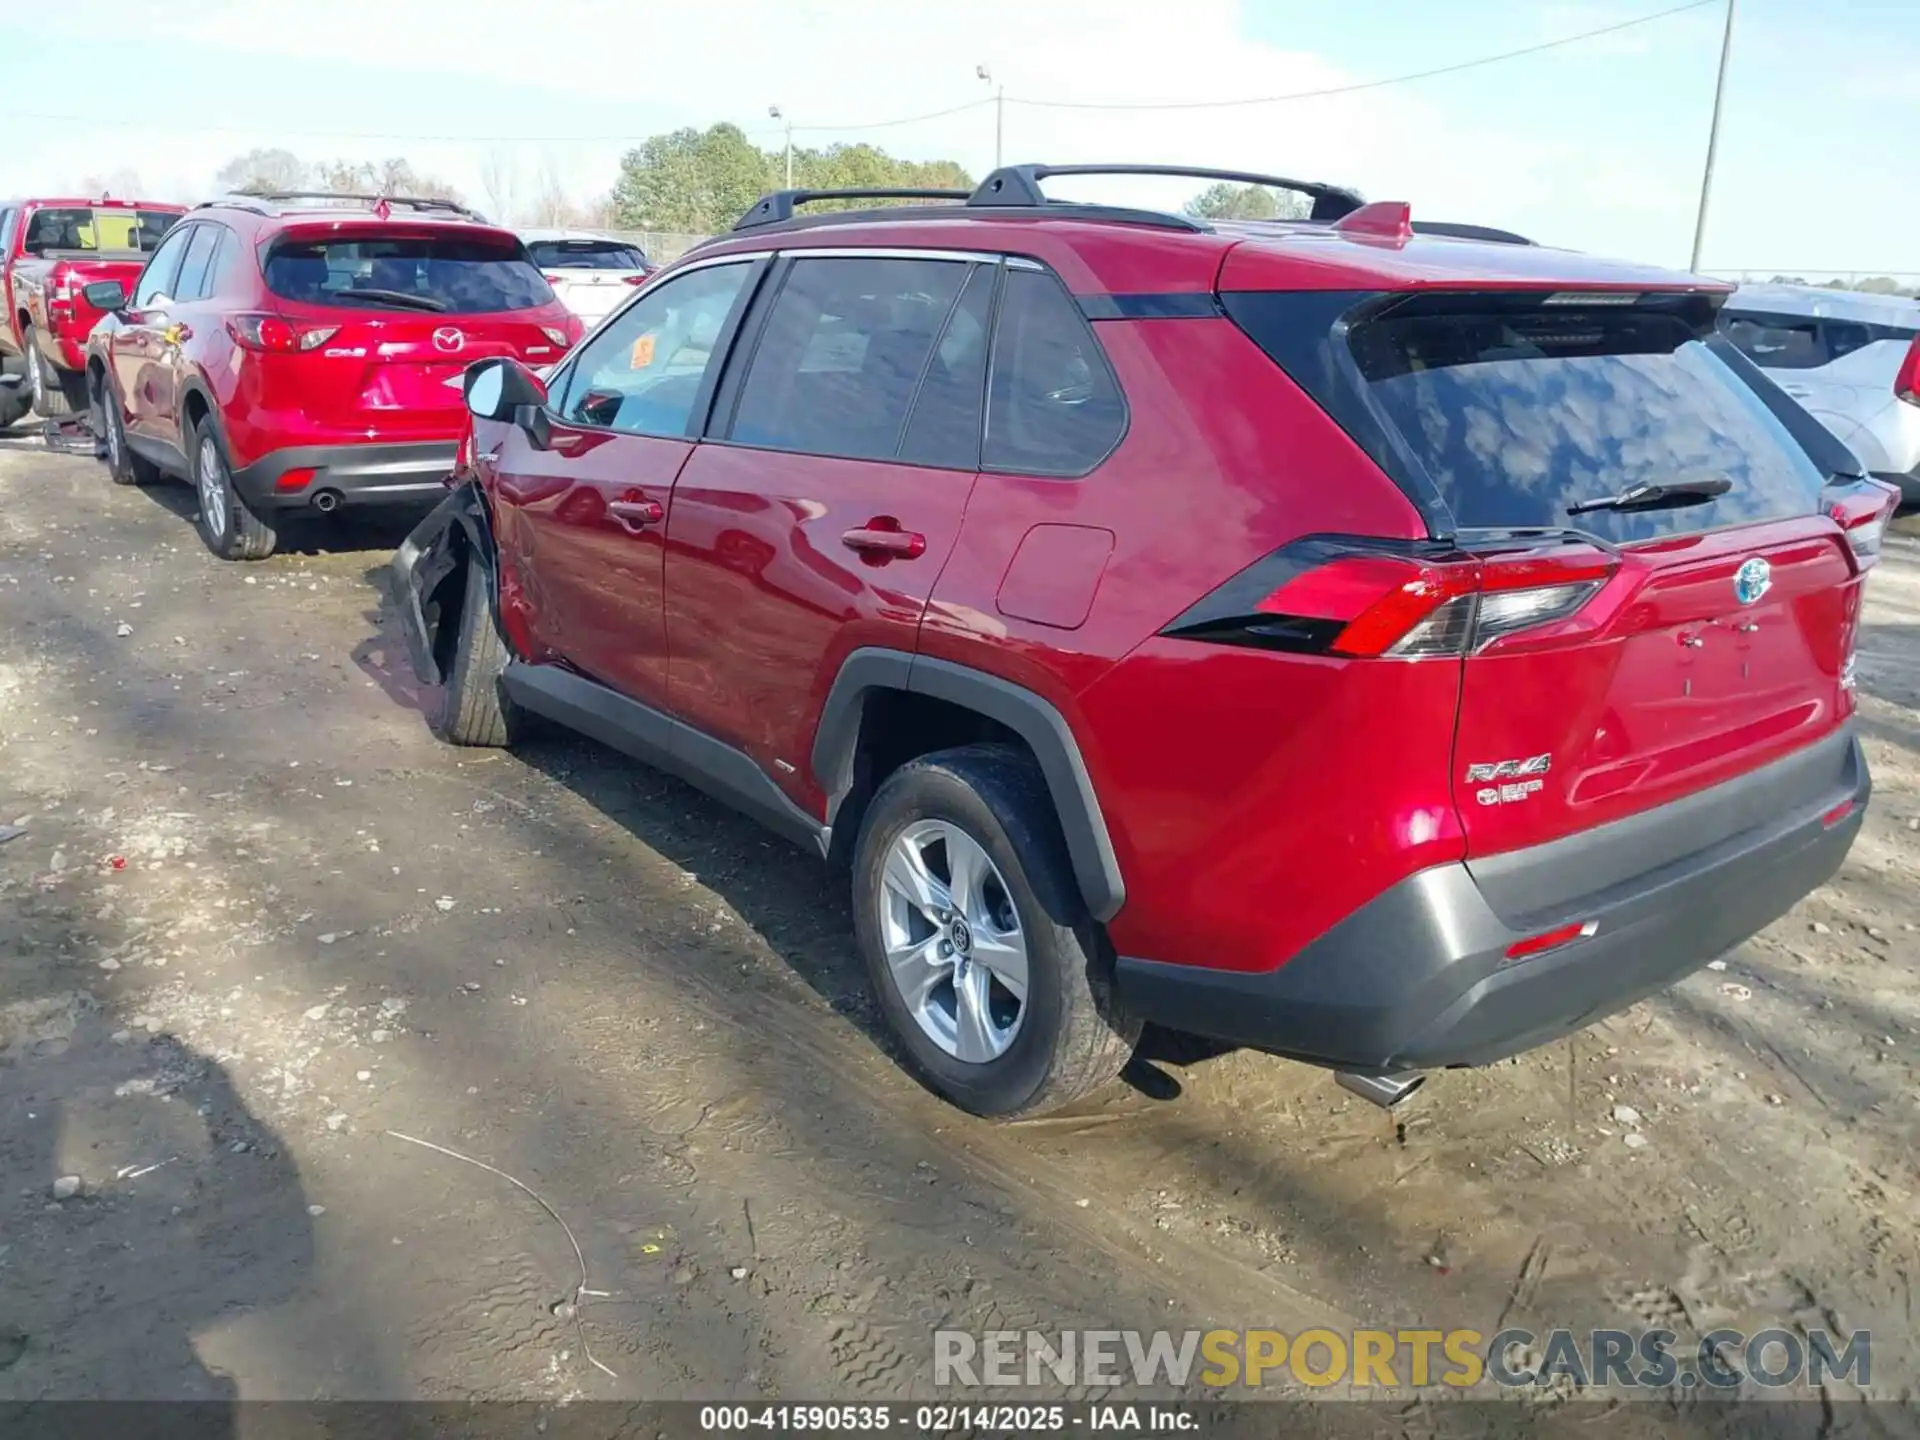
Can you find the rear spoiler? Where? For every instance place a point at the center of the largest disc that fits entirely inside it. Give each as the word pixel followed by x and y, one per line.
pixel 1455 231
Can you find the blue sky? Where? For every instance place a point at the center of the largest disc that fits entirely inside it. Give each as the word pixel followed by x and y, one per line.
pixel 1596 145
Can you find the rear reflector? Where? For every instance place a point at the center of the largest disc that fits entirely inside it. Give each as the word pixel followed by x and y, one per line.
pixel 296 479
pixel 1838 813
pixel 1365 599
pixel 1552 939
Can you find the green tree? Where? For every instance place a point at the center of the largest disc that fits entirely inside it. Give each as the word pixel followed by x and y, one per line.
pixel 700 182
pixel 695 181
pixel 1227 201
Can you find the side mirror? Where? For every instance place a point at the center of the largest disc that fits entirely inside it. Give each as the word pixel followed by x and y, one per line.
pixel 107 295
pixel 496 389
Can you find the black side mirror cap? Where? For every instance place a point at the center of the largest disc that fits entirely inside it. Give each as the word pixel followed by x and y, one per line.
pixel 107 295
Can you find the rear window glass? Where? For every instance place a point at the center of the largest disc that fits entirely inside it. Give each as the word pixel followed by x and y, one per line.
pixel 1515 414
pixel 85 228
pixel 455 274
pixel 1795 342
pixel 585 255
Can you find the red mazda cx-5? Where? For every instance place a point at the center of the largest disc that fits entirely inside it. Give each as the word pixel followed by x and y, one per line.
pixel 1387 645
pixel 292 352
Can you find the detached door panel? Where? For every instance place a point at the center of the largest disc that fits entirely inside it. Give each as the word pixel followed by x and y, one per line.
pixel 804 532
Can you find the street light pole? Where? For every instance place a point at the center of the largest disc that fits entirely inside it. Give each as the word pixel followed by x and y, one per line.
pixel 1713 139
pixel 999 113
pixel 774 112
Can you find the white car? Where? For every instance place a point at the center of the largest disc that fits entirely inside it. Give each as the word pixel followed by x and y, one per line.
pixel 1852 360
pixel 590 273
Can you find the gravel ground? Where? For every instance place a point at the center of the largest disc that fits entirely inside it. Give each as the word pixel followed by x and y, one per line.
pixel 263 935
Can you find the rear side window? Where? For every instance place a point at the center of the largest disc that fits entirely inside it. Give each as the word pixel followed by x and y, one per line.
pixel 1797 342
pixel 1054 407
pixel 454 274
pixel 1516 413
pixel 585 255
pixel 846 345
pixel 108 229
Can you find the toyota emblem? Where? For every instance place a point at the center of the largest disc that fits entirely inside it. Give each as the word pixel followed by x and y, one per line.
pixel 448 338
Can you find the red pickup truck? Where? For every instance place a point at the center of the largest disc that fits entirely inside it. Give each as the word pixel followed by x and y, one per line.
pixel 50 250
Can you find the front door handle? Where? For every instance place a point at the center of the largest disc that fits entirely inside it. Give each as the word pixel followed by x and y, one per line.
pixel 636 514
pixel 882 538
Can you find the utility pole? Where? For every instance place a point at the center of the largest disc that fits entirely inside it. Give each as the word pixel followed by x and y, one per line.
pixel 1713 139
pixel 774 112
pixel 999 113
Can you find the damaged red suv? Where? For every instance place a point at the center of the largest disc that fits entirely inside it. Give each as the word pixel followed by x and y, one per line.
pixel 289 354
pixel 1384 645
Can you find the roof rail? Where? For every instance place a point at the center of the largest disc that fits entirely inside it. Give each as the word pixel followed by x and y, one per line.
pixel 276 197
pixel 1019 185
pixel 779 206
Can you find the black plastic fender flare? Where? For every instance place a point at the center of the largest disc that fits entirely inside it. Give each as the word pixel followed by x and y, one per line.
pixel 837 739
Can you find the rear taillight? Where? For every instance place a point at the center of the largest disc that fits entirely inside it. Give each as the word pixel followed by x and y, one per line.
pixel 1862 516
pixel 552 279
pixel 556 334
pixel 1363 599
pixel 639 279
pixel 1907 383
pixel 271 333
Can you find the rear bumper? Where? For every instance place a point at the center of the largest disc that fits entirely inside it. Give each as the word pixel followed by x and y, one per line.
pixel 1419 978
pixel 386 474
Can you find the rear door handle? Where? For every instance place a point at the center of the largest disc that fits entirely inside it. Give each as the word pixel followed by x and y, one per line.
pixel 882 536
pixel 636 514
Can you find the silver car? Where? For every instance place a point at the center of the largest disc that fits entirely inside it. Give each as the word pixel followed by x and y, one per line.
pixel 1853 360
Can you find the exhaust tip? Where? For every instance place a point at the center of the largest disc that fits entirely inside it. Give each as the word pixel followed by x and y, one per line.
pixel 326 501
pixel 1386 1091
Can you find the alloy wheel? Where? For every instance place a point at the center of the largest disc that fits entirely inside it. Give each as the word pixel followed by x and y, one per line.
pixel 211 483
pixel 954 947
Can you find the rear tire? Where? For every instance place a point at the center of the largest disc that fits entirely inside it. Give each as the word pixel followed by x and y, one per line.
pixel 51 389
pixel 474 708
pixel 231 530
pixel 1067 1036
pixel 103 415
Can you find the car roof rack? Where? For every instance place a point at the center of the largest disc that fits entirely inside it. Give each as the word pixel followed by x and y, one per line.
pixel 1012 189
pixel 241 199
pixel 1019 185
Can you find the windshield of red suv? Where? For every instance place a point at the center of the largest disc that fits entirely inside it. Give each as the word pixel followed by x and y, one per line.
pixel 455 274
pixel 109 229
pixel 585 255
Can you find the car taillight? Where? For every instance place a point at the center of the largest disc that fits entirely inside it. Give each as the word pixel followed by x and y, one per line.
pixel 1907 383
pixel 1374 599
pixel 556 334
pixel 639 279
pixel 1862 516
pixel 271 333
pixel 552 279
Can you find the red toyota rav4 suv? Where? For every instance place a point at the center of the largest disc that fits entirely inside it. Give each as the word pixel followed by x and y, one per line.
pixel 1382 648
pixel 291 353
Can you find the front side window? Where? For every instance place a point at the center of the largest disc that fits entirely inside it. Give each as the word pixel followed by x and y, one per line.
pixel 1055 407
pixel 196 262
pixel 443 274
pixel 642 372
pixel 845 348
pixel 157 280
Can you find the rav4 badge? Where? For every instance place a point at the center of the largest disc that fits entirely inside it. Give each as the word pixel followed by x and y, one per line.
pixel 1516 773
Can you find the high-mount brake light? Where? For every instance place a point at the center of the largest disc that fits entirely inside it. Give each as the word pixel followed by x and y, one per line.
pixel 1364 600
pixel 1585 298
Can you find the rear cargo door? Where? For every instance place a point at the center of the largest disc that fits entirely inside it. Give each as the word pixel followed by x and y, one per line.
pixel 381 319
pixel 591 276
pixel 1707 627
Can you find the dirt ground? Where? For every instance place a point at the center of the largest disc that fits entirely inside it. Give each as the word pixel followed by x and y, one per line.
pixel 261 927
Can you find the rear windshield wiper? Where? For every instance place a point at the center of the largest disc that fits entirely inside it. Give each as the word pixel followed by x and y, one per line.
pixel 1656 497
pixel 396 297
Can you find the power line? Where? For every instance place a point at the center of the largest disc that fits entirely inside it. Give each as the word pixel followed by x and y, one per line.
pixel 1364 84
pixel 99 123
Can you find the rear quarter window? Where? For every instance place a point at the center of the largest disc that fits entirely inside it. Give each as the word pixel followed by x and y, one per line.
pixel 453 274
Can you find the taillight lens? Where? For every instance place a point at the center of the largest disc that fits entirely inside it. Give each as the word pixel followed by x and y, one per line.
pixel 1862 516
pixel 556 334
pixel 639 279
pixel 1907 383
pixel 1356 598
pixel 272 334
pixel 552 279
